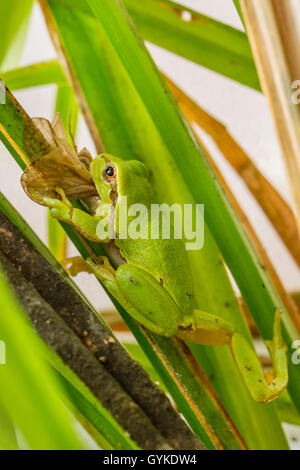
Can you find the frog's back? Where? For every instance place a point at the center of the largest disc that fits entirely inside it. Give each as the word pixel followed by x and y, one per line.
pixel 167 261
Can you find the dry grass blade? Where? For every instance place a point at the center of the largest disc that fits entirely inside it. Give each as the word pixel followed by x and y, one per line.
pixel 296 298
pixel 277 210
pixel 274 31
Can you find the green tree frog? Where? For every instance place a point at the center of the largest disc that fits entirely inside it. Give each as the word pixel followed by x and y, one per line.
pixel 151 278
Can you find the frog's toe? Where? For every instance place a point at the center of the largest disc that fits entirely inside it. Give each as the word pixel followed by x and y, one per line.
pixel 75 265
pixel 59 210
pixel 53 203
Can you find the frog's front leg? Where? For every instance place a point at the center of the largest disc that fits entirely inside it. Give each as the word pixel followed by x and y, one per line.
pixel 63 210
pixel 209 329
pixel 141 295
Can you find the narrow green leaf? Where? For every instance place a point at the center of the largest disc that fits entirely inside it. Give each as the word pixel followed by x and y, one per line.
pixel 8 439
pixel 287 410
pixel 12 151
pixel 57 241
pixel 67 106
pixel 13 120
pixel 238 8
pixel 87 404
pixel 196 37
pixel 14 18
pixel 138 355
pixel 34 75
pixel 28 389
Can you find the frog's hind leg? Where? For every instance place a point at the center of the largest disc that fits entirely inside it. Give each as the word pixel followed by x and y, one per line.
pixel 209 329
pixel 141 295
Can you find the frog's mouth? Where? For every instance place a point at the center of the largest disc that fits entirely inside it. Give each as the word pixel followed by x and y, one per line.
pixel 92 202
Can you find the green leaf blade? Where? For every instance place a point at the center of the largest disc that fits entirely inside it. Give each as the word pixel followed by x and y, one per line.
pixel 205 41
pixel 14 19
pixel 33 405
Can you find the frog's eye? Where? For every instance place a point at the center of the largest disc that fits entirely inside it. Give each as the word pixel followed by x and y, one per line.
pixel 110 173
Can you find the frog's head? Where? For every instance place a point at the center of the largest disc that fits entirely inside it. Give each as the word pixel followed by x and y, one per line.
pixel 112 175
pixel 104 171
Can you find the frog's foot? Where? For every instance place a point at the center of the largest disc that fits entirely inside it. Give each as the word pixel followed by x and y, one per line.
pixel 209 329
pixel 263 388
pixel 101 267
pixel 60 209
pixel 75 265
